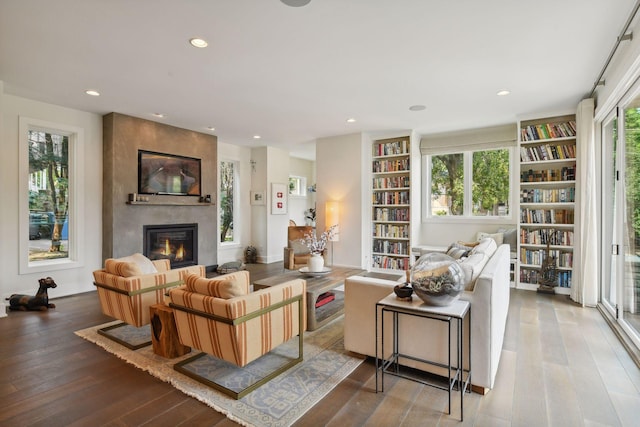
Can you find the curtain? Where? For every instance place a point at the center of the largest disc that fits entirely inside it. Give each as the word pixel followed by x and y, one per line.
pixel 470 140
pixel 584 286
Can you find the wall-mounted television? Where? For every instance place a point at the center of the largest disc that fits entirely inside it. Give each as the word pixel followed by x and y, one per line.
pixel 160 173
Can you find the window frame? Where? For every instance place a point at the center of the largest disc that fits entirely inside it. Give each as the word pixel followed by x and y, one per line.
pixel 302 186
pixel 236 202
pixel 467 215
pixel 76 189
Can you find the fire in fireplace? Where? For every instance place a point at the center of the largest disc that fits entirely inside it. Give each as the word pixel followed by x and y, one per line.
pixel 176 242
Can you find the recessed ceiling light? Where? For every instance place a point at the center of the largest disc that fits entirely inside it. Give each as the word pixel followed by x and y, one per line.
pixel 296 3
pixel 159 115
pixel 92 92
pixel 417 107
pixel 198 42
pixel 211 128
pixel 351 120
pixel 256 137
pixel 503 93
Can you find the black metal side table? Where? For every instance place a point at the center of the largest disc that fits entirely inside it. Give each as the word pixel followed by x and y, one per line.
pixel 459 377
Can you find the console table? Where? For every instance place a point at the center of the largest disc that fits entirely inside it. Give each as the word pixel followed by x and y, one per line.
pixel 455 312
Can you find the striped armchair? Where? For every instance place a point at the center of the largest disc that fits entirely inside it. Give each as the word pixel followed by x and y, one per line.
pixel 220 317
pixel 127 296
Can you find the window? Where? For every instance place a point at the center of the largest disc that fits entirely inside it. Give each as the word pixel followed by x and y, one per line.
pixel 469 183
pixel 48 203
pixel 228 201
pixel 48 195
pixel 297 186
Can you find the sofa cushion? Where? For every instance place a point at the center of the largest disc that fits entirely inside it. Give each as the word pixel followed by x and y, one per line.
pixel 133 265
pixel 458 251
pixel 498 237
pixel 486 246
pixel 225 288
pixel 472 267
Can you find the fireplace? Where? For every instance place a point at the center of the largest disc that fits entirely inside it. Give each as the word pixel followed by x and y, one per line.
pixel 176 242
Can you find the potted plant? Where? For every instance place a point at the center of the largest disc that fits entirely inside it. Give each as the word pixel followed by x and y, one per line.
pixel 317 246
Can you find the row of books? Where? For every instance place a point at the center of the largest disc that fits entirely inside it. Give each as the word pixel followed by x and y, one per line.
pixel 567 173
pixel 548 131
pixel 391 214
pixel 391 148
pixel 540 237
pixel 536 256
pixel 389 230
pixel 399 165
pixel 379 261
pixel 391 182
pixel 391 198
pixel 563 279
pixel 546 216
pixel 391 248
pixel 548 195
pixel 547 152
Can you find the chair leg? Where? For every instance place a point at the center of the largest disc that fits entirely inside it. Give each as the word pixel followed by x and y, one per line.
pixel 181 367
pixel 105 332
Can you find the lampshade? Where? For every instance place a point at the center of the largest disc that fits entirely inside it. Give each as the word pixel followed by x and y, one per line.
pixel 332 217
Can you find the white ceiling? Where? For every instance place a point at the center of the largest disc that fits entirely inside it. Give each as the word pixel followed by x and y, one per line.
pixel 295 74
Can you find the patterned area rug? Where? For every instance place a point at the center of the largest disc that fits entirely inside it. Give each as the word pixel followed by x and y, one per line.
pixel 280 402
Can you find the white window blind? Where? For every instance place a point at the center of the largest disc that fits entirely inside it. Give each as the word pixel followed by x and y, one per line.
pixel 470 140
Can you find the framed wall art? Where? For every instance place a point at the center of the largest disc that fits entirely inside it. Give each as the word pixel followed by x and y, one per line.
pixel 258 198
pixel 279 194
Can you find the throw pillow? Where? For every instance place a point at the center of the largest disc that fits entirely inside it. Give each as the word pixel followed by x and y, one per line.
pixel 498 237
pixel 220 288
pixel 298 247
pixel 458 251
pixel 510 237
pixel 133 265
pixel 469 244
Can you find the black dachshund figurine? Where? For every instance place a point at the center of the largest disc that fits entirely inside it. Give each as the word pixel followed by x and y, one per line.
pixel 39 302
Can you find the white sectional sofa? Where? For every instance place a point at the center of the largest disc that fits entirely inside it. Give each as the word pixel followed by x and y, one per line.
pixel 488 293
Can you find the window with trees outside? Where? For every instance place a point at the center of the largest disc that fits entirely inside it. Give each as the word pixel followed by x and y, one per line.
pixel 228 200
pixel 469 183
pixel 49 194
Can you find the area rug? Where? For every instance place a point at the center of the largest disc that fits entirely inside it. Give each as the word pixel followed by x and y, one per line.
pixel 280 402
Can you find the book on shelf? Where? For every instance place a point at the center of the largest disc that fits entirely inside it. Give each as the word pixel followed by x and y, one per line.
pixel 548 131
pixel 325 298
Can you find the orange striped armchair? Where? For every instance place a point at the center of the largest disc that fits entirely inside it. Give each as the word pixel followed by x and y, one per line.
pixel 220 317
pixel 126 291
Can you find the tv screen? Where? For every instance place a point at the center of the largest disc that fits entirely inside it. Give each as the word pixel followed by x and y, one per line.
pixel 160 173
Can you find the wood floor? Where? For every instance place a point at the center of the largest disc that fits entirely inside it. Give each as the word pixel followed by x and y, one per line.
pixel 561 366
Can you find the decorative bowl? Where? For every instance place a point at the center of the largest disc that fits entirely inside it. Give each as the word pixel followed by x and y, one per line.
pixel 403 291
pixel 437 279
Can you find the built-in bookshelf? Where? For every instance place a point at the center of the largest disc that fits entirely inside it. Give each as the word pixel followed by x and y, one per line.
pixel 391 204
pixel 547 199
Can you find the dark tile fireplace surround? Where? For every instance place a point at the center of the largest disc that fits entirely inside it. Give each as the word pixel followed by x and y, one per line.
pixel 176 242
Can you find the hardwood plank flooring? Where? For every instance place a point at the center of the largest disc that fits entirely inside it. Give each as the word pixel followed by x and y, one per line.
pixel 561 366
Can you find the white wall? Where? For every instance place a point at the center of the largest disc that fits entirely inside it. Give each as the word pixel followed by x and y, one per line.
pixel 268 231
pixel 70 280
pixel 339 174
pixel 299 204
pixel 277 172
pixel 234 252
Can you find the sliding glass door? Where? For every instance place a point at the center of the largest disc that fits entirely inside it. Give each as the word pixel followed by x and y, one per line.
pixel 621 215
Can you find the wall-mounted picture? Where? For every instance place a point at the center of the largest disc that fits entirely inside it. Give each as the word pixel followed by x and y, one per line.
pixel 258 198
pixel 160 173
pixel 279 194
